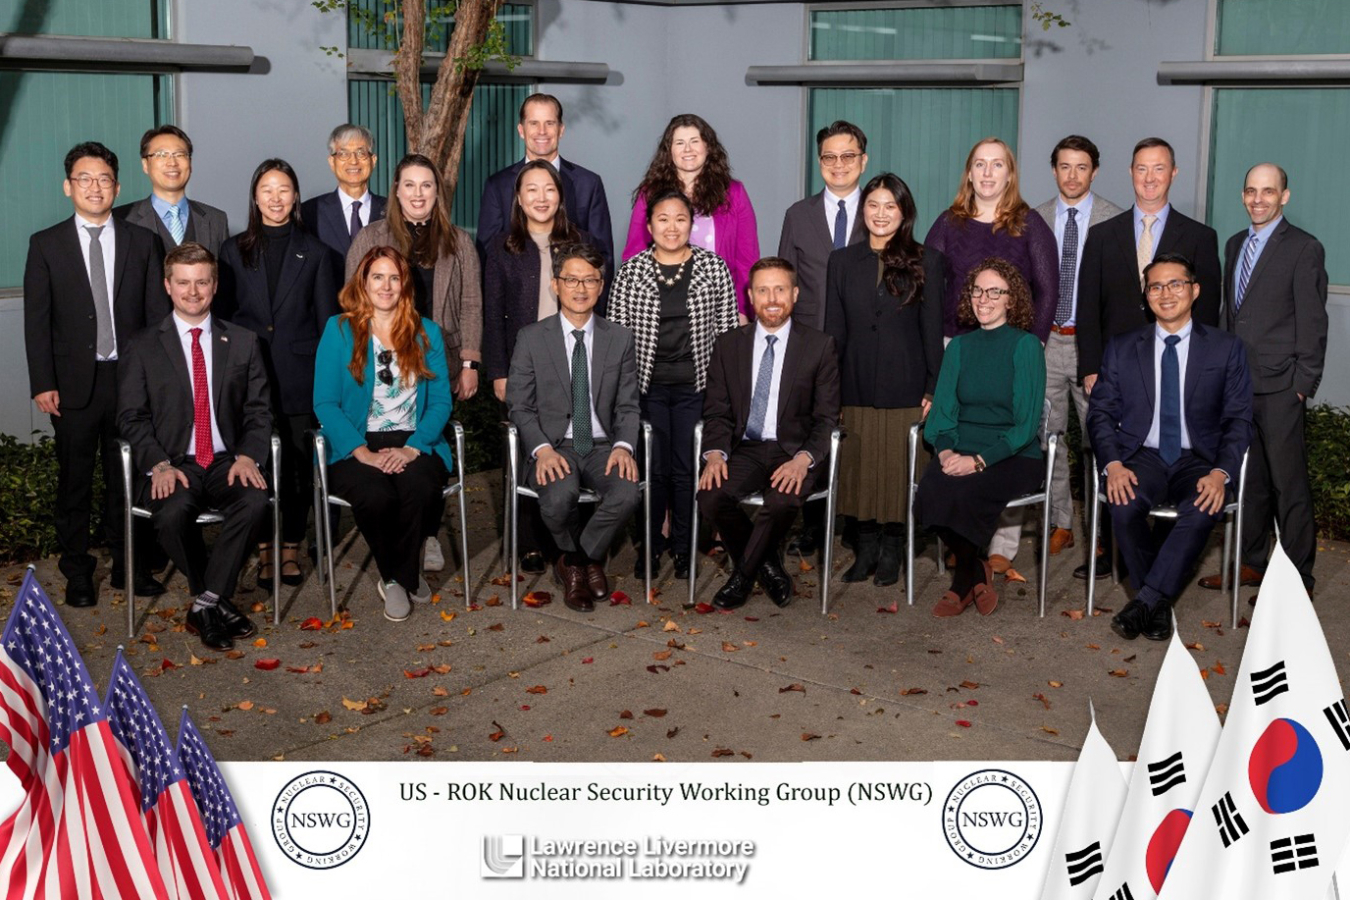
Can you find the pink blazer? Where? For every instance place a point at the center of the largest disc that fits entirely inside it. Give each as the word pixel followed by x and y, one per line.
pixel 736 236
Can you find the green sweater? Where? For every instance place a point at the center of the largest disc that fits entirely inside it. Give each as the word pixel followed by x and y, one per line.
pixel 990 394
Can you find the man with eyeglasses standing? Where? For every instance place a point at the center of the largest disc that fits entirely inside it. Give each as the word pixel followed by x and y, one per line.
pixel 1170 417
pixel 814 228
pixel 336 217
pixel 90 284
pixel 166 158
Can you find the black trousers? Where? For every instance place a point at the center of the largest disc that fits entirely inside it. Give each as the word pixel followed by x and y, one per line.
pixel 750 469
pixel 395 513
pixel 561 512
pixel 84 437
pixel 673 410
pixel 296 490
pixel 175 517
pixel 1277 486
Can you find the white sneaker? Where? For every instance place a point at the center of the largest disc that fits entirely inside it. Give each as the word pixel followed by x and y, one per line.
pixel 433 560
pixel 423 594
pixel 396 605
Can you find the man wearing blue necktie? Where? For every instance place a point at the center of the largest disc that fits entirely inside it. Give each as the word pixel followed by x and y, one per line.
pixel 1170 418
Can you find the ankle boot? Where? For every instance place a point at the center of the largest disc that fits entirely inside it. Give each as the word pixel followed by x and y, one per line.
pixel 888 563
pixel 868 549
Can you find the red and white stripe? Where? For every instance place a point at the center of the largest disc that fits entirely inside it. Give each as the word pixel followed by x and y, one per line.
pixel 240 866
pixel 185 858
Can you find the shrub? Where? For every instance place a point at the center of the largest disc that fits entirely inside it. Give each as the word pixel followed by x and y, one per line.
pixel 1328 435
pixel 27 491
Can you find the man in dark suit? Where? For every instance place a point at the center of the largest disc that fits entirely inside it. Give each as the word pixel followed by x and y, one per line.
pixel 573 395
pixel 90 284
pixel 813 229
pixel 541 128
pixel 193 404
pixel 166 158
pixel 1170 418
pixel 336 217
pixel 771 403
pixel 1275 300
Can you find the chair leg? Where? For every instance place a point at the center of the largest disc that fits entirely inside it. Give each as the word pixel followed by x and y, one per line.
pixel 1235 579
pixel 828 561
pixel 909 551
pixel 1095 529
pixel 464 541
pixel 326 551
pixel 276 555
pixel 1045 551
pixel 942 557
pixel 128 558
pixel 647 528
pixel 320 572
pixel 515 537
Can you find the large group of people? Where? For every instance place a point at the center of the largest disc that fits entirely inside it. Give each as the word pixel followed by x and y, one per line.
pixel 369 317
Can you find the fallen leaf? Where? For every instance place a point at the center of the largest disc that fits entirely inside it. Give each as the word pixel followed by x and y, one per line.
pixel 1208 624
pixel 260 642
pixel 752 618
pixel 267 665
pixel 417 673
pixel 299 670
pixel 1093 646
pixel 1072 613
pixel 662 655
pixel 803 565
pixel 908 692
pixel 235 654
pixel 893 608
pixel 168 664
pixel 245 705
pixel 447 616
pixel 587 660
pixel 653 594
pixel 655 670
pixel 1048 730
pixel 313 623
pixel 619 598
pixel 1056 684
pixel 657 757
pixel 795 686
pixel 494 600
pixel 354 705
pixel 193 659
pixel 723 751
pixel 750 643
pixel 497 626
pixel 654 713
pixel 1042 698
pixel 671 625
pixel 504 579
pixel 439 691
pixel 620 731
pixel 1218 669
pixel 1204 674
pixel 536 599
pixel 323 718
pixel 963 723
pixel 810 736
pixel 704 608
pixel 1119 673
pixel 643 624
pixel 537 689
pixel 970 685
pixel 728 647
pixel 442 669
pixel 672 732
pixel 496 736
pixel 102 629
pixel 626 714
pixel 972 703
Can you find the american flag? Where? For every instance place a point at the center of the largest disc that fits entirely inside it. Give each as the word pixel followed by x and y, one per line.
pixel 186 861
pixel 78 831
pixel 224 827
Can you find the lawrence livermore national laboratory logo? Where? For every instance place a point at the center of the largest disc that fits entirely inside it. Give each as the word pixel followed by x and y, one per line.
pixel 503 856
pixel 320 820
pixel 992 819
pixel 625 859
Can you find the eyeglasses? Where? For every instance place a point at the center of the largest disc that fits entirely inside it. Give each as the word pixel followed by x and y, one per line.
pixel 345 155
pixel 166 155
pixel 384 358
pixel 833 159
pixel 87 181
pixel 992 293
pixel 591 282
pixel 1176 287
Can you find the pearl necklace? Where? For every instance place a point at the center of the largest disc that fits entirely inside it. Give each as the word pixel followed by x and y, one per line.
pixel 679 273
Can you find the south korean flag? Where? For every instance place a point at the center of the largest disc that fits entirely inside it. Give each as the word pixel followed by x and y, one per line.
pixel 1272 819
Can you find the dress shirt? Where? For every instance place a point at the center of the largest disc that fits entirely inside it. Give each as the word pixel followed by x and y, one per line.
pixel 1084 207
pixel 703 233
pixel 185 338
pixel 598 434
pixel 770 430
pixel 162 207
pixel 850 210
pixel 109 244
pixel 347 200
pixel 1262 238
pixel 1160 336
pixel 1158 225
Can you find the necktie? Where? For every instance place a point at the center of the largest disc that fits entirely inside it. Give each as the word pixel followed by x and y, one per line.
pixel 1068 269
pixel 1248 260
pixel 759 403
pixel 176 228
pixel 201 403
pixel 356 218
pixel 98 285
pixel 840 227
pixel 582 440
pixel 1144 253
pixel 1169 414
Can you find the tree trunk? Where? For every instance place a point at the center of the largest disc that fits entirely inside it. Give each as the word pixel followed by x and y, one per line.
pixel 408 69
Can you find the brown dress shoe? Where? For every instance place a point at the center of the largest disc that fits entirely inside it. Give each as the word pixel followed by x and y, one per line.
pixel 1059 539
pixel 596 581
pixel 984 595
pixel 951 605
pixel 576 592
pixel 999 564
pixel 1250 578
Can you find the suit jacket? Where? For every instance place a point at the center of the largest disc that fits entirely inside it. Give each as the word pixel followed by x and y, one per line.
pixel 1283 319
pixel 1102 209
pixel 808 398
pixel 1216 400
pixel 583 198
pixel 807 242
pixel 322 216
pixel 154 394
pixel 1110 296
pixel 456 296
pixel 58 306
pixel 539 388
pixel 206 225
pixel 288 324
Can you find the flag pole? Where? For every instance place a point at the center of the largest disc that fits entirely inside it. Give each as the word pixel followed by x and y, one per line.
pixel 1335 887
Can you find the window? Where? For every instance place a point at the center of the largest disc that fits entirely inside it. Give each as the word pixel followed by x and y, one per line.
pixel 961 32
pixel 1287 28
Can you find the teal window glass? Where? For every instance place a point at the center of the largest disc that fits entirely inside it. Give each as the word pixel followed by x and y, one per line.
pixel 518 18
pixel 938 32
pixel 1252 125
pixel 490 141
pixel 921 134
pixel 85 18
pixel 1284 28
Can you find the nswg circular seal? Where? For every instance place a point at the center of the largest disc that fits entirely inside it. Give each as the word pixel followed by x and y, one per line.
pixel 320 820
pixel 992 819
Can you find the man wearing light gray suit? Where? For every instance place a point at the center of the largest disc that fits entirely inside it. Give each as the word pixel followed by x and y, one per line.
pixel 1074 161
pixel 166 158
pixel 572 393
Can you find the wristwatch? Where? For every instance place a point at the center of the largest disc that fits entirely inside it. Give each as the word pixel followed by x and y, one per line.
pixel 469 364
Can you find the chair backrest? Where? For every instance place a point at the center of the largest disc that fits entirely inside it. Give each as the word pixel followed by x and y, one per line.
pixel 1042 432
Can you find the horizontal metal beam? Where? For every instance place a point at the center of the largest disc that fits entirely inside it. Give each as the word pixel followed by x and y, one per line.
pixel 884 73
pixel 26 50
pixel 1255 71
pixel 380 63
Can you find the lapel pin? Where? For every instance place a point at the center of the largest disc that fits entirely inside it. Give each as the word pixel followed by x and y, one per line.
pixel 299 256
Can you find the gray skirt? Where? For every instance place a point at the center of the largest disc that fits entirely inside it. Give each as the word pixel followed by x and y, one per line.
pixel 874 461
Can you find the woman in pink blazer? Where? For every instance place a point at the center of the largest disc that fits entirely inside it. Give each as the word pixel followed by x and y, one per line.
pixel 691 160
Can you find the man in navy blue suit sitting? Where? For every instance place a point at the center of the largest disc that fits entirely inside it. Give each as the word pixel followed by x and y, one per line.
pixel 1170 418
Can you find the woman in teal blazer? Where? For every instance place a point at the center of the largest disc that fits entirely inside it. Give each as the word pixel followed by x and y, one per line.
pixel 382 395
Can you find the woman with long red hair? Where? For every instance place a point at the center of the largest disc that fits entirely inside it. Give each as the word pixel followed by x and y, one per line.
pixel 382 395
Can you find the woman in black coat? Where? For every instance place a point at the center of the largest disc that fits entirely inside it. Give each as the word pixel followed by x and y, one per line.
pixel 277 280
pixel 883 307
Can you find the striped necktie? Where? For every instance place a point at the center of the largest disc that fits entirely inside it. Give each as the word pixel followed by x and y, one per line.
pixel 1248 262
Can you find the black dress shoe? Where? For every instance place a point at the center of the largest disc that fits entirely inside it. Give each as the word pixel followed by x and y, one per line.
pixel 681 561
pixel 1160 622
pixel 236 623
pixel 1132 620
pixel 209 625
pixel 146 586
pixel 805 542
pixel 533 563
pixel 80 591
pixel 775 581
pixel 640 563
pixel 1101 565
pixel 735 592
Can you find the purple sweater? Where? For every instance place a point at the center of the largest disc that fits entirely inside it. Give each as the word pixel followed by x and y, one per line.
pixel 1035 254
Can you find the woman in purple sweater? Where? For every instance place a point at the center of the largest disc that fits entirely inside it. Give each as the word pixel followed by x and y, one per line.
pixel 691 160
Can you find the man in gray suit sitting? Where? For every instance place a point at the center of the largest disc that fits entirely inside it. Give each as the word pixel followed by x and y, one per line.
pixel 166 158
pixel 572 392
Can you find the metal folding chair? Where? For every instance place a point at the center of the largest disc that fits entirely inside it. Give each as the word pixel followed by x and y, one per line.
pixel 323 525
pixel 829 494
pixel 515 490
pixel 131 512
